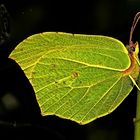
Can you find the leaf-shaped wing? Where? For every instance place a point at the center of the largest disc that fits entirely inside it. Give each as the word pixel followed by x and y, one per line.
pixel 78 77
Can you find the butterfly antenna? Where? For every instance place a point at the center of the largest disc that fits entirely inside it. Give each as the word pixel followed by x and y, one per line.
pixel 135 21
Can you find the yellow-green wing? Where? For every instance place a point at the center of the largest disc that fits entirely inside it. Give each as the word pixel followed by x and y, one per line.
pixel 77 77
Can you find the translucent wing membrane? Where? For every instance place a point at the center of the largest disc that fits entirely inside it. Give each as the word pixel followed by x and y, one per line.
pixel 78 77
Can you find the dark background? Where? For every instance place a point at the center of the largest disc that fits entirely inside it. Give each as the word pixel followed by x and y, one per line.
pixel 19 112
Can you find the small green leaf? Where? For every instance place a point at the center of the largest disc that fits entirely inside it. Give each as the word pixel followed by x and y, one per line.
pixel 77 77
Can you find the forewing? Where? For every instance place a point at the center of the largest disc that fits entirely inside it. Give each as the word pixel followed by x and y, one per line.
pixel 78 77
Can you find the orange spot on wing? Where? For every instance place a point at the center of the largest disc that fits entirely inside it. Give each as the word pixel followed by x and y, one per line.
pixel 75 75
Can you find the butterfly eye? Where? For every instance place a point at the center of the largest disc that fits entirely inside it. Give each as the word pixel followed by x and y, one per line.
pixel 131 50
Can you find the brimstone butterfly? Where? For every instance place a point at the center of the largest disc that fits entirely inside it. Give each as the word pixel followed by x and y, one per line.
pixel 79 77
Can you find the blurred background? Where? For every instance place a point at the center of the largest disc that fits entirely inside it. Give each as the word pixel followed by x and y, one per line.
pixel 19 112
